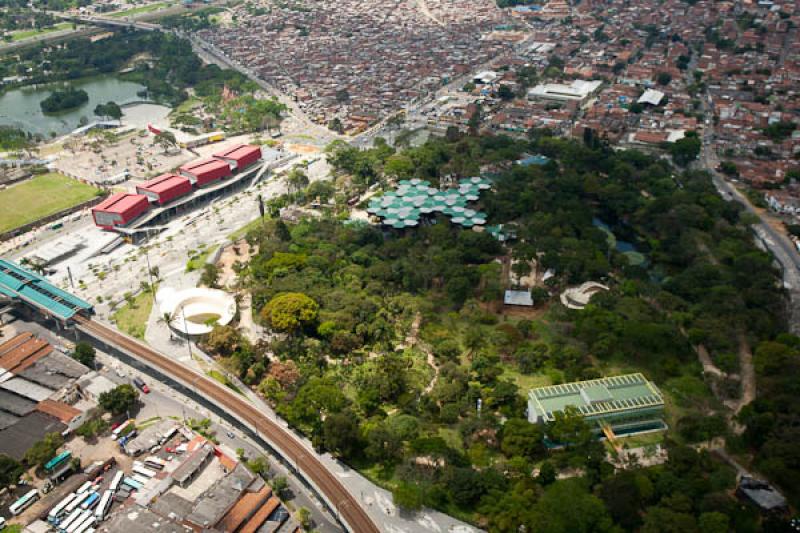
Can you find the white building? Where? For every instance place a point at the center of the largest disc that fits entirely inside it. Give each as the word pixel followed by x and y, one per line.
pixel 577 91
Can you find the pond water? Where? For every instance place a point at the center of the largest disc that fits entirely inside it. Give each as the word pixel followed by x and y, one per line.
pixel 203 318
pixel 20 107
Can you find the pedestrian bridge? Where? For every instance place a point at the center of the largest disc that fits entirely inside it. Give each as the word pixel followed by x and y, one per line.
pixel 21 285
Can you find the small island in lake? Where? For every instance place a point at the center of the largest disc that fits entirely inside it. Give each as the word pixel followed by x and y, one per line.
pixel 63 100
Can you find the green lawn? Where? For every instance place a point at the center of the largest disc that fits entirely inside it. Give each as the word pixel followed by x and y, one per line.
pixel 132 317
pixel 39 197
pixel 27 34
pixel 139 10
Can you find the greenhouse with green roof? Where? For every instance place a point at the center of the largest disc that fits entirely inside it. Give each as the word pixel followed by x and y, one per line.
pixel 628 403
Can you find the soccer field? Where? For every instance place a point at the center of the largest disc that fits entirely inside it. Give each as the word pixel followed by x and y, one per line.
pixel 40 196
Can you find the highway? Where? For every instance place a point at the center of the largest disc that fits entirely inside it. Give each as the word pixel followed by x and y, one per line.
pixel 781 247
pixel 346 506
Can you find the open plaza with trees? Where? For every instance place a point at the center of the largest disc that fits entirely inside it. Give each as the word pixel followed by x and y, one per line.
pixel 392 350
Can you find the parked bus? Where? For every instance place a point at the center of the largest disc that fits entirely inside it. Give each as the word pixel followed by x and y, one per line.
pixel 79 499
pixel 168 435
pixel 132 483
pixel 58 511
pixel 78 521
pixel 155 462
pixel 140 479
pixel 91 501
pixel 116 481
pixel 86 525
pixel 57 461
pixel 120 430
pixel 138 468
pixel 23 503
pixel 104 505
pixel 123 440
pixel 84 488
pixel 71 519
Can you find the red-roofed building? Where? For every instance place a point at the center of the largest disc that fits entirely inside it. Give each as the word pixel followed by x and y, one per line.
pixel 205 171
pixel 165 188
pixel 241 156
pixel 119 210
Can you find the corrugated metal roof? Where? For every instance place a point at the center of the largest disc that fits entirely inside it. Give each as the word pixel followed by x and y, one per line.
pixel 34 289
pixel 163 183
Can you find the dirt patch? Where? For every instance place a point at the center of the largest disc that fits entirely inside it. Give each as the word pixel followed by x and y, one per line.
pixel 302 148
pixel 240 251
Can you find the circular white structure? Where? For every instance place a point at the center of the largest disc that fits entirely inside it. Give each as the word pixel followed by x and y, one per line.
pixel 195 311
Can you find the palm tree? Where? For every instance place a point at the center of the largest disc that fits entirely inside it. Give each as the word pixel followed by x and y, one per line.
pixel 166 319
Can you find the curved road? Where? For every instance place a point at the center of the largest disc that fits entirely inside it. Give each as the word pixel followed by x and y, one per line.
pixel 347 507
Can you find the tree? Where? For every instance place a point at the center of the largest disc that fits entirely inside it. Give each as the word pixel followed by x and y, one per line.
pixel 547 473
pixel 210 276
pixel 303 517
pixel 341 434
pixel 85 354
pixel 10 470
pixel 714 522
pixel 297 179
pixel 505 93
pixel 686 149
pixel 258 466
pixel 119 399
pixel 166 140
pixel 289 311
pixel 663 78
pixel 567 507
pixel 408 496
pixel 336 125
pixel 109 109
pixel 521 438
pixel 280 485
pixel 44 450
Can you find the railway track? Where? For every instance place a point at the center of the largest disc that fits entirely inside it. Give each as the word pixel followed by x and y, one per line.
pixel 327 485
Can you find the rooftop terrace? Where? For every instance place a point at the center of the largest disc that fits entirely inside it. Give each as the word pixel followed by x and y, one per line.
pixel 595 398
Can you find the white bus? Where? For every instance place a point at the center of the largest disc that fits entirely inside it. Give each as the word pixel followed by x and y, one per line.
pixel 138 468
pixel 74 504
pixel 78 521
pixel 116 481
pixel 104 505
pixel 155 462
pixel 57 511
pixel 23 503
pixel 85 487
pixel 86 524
pixel 70 519
pixel 119 429
pixel 141 480
pixel 91 501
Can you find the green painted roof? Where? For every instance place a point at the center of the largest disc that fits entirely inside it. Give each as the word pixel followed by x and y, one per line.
pixel 34 289
pixel 596 397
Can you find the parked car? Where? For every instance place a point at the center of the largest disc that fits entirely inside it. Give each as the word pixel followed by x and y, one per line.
pixel 141 385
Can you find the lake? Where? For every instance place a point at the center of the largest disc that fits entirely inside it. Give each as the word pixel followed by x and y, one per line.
pixel 20 107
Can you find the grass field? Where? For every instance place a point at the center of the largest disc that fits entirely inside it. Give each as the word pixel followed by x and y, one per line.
pixel 132 317
pixel 139 10
pixel 27 34
pixel 39 197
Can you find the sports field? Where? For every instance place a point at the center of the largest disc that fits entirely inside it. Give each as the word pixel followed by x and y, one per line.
pixel 27 34
pixel 139 10
pixel 40 196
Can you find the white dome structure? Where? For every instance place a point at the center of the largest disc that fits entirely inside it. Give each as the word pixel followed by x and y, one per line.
pixel 194 311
